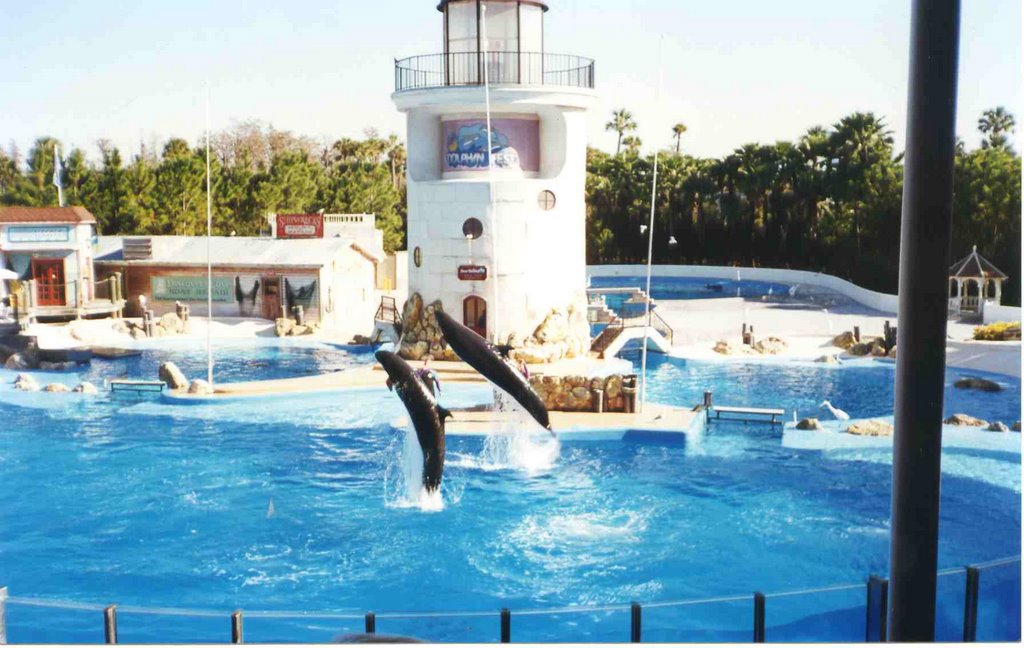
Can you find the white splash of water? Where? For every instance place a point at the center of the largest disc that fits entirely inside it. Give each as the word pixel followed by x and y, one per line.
pixel 403 478
pixel 828 320
pixel 517 442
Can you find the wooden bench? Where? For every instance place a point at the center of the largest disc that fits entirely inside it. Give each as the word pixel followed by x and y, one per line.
pixel 753 412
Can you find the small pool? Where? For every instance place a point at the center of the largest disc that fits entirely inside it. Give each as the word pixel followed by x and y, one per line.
pixel 297 504
pixel 710 288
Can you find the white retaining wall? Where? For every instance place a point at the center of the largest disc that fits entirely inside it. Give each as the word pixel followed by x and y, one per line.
pixel 876 300
pixel 995 313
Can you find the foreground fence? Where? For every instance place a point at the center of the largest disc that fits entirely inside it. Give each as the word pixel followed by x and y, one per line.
pixel 977 603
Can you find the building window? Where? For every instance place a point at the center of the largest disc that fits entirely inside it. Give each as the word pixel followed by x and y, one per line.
pixel 546 200
pixel 472 228
pixel 417 256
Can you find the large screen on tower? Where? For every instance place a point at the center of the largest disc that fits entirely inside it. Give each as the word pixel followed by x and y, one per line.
pixel 514 142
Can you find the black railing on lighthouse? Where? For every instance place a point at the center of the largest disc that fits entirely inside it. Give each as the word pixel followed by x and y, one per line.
pixel 502 68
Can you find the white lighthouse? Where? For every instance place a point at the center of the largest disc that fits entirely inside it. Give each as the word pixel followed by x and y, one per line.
pixel 496 216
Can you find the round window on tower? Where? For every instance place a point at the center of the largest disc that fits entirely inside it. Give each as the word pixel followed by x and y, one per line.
pixel 546 200
pixel 417 256
pixel 472 228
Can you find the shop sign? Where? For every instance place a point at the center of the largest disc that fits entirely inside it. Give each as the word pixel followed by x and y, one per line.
pixel 190 288
pixel 472 272
pixel 300 226
pixel 515 144
pixel 38 234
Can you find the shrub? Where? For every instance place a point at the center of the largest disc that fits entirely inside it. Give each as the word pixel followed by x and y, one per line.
pixel 998 331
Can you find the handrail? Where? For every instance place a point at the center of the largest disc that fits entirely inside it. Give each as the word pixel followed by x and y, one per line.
pixel 387 311
pixel 759 599
pixel 503 68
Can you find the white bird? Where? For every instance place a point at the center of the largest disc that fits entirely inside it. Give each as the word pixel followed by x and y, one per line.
pixel 838 413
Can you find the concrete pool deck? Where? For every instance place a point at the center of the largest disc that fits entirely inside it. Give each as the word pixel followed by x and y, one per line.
pixel 699 323
pixel 373 376
pixel 655 418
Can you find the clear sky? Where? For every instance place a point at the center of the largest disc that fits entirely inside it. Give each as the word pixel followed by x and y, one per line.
pixel 735 71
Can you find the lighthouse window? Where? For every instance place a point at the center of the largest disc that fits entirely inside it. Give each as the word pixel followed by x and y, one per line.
pixel 546 200
pixel 417 256
pixel 472 228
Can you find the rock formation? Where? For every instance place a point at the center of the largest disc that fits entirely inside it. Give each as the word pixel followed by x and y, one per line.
pixel 871 427
pixel 25 382
pixel 981 384
pixel 963 419
pixel 808 424
pixel 563 333
pixel 173 376
pixel 997 426
pixel 617 393
pixel 770 346
pixel 844 340
pixel 200 387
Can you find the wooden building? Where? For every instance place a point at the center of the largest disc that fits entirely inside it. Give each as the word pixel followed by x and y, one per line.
pixel 334 280
pixel 48 254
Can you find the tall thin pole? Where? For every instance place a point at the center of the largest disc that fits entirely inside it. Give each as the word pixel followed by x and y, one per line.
pixel 490 167
pixel 650 252
pixel 921 336
pixel 209 262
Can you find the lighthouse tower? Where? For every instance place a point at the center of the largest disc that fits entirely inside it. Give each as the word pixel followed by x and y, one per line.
pixel 496 214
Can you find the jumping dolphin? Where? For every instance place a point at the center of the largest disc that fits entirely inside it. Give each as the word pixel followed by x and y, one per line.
pixel 427 416
pixel 475 351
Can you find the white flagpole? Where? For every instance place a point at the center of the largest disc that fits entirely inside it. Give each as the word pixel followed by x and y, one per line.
pixel 490 170
pixel 56 177
pixel 209 262
pixel 650 252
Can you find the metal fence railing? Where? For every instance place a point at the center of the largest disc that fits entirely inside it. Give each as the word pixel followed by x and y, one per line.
pixel 501 68
pixel 974 603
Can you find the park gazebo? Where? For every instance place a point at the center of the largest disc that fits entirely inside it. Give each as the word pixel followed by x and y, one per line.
pixel 972 280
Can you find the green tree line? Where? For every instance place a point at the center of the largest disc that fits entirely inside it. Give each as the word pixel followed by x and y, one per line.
pixel 254 170
pixel 828 202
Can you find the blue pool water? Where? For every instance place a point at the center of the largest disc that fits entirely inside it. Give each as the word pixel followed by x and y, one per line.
pixel 297 504
pixel 707 288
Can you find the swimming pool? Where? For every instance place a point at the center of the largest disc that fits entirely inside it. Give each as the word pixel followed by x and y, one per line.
pixel 709 288
pixel 297 504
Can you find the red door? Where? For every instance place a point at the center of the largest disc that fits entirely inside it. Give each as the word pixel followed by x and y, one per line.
pixel 271 297
pixel 474 314
pixel 49 276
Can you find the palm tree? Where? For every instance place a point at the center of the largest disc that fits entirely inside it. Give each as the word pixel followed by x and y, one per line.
pixel 677 132
pixel 622 122
pixel 995 123
pixel 632 143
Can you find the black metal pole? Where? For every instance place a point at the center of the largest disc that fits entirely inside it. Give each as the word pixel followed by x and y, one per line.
pixel 921 335
pixel 370 623
pixel 758 617
pixel 634 623
pixel 506 626
pixel 971 604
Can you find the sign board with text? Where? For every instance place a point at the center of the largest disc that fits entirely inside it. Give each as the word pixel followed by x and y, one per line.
pixel 39 234
pixel 472 272
pixel 300 226
pixel 190 288
pixel 514 144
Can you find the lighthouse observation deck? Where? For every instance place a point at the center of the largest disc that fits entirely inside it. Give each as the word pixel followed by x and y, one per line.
pixel 499 68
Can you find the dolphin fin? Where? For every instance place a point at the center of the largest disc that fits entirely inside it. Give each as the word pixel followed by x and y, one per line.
pixel 444 413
